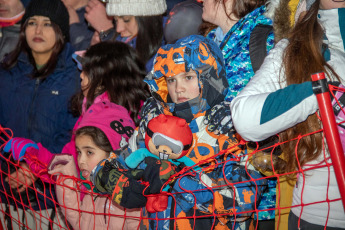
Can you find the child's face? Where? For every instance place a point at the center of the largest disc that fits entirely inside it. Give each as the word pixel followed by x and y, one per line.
pixel 89 155
pixel 183 87
pixel 84 83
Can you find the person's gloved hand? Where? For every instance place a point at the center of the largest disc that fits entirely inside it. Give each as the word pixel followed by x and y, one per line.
pixel 110 163
pixel 219 119
pixel 109 178
pixel 19 146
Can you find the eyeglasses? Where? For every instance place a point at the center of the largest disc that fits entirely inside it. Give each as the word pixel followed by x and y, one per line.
pixel 104 1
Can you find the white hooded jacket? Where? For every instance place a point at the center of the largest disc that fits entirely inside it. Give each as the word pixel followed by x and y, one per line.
pixel 266 107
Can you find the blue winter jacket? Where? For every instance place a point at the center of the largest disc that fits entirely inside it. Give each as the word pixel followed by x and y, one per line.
pixel 235 48
pixel 38 109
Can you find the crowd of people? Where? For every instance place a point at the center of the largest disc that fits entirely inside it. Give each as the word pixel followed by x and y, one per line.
pixel 84 84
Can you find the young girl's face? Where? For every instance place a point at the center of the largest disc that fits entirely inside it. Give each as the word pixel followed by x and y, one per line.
pixel 89 155
pixel 183 87
pixel 84 83
pixel 40 37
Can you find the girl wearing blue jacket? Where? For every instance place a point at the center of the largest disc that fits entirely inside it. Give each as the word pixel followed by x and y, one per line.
pixel 37 81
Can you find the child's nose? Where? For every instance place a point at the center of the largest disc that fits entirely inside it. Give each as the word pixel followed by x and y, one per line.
pixel 179 87
pixel 82 159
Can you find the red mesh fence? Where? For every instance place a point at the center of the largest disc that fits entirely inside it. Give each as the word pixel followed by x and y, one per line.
pixel 44 212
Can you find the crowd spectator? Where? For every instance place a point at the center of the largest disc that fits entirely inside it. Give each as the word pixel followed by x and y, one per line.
pixel 183 20
pixel 280 99
pixel 235 21
pixel 139 24
pixel 245 35
pixel 98 19
pixel 80 31
pixel 11 13
pixel 37 81
pixel 111 72
pixel 188 79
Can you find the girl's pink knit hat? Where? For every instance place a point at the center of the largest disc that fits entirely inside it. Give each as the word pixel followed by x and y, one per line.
pixel 112 119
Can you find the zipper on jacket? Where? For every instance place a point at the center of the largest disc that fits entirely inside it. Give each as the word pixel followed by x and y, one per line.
pixel 31 115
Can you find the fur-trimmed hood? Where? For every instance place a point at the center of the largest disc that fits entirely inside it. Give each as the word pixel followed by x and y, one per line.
pixel 282 13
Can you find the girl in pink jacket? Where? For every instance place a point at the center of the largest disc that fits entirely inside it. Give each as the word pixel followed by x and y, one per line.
pixel 111 72
pixel 104 128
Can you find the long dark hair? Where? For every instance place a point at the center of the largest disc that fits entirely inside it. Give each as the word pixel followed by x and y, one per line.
pixel 115 68
pixel 149 37
pixel 303 57
pixel 22 46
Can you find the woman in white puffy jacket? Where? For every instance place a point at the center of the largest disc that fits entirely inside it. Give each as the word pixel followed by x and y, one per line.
pixel 280 99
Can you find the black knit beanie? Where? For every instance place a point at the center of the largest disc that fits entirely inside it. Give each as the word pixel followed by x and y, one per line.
pixel 53 9
pixel 25 3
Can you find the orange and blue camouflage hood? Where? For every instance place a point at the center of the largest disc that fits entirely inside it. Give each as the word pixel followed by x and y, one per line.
pixel 196 53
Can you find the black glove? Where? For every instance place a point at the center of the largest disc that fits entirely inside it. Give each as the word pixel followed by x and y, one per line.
pixel 125 190
pixel 219 118
pixel 157 172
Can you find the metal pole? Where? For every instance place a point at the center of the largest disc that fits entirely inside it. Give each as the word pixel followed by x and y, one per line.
pixel 320 88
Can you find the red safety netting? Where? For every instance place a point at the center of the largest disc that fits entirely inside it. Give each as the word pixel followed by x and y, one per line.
pixel 35 197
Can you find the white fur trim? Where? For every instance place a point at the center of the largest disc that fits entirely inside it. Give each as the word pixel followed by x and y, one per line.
pixel 271 7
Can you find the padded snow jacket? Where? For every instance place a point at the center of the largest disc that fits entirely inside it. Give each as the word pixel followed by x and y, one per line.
pixel 38 109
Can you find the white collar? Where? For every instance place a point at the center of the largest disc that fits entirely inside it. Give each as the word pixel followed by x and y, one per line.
pixel 334 29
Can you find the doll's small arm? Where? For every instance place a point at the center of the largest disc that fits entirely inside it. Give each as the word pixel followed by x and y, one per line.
pixel 135 158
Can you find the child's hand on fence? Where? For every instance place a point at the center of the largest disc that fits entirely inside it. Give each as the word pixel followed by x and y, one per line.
pixel 63 164
pixel 20 146
pixel 124 190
